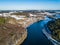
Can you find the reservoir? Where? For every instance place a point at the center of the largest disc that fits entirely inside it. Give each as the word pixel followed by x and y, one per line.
pixel 35 35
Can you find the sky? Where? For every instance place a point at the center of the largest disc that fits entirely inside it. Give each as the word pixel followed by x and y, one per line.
pixel 29 4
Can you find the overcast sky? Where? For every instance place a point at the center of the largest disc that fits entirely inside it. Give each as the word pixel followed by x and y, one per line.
pixel 29 4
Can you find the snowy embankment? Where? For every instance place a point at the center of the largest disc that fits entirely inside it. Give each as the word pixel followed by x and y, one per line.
pixel 50 37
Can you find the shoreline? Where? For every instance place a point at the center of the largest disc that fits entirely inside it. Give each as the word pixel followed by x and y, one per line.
pixel 29 22
pixel 50 38
pixel 20 41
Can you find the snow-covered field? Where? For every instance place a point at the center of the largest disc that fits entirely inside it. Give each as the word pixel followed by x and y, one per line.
pixel 13 16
